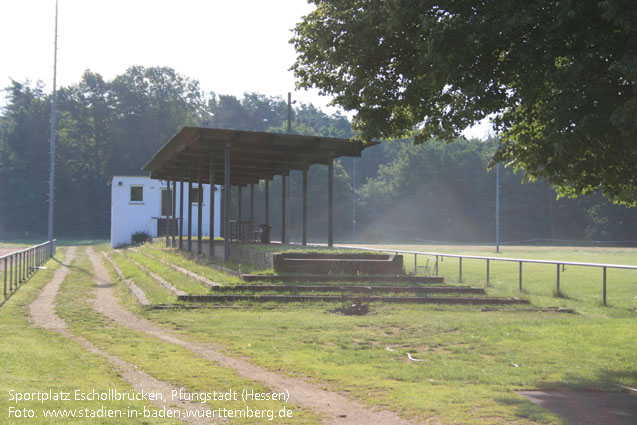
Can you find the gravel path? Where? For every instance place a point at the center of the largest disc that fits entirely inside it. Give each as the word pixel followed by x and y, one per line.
pixel 336 408
pixel 42 314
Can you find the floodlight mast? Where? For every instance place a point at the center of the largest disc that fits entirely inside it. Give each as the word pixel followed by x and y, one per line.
pixel 52 148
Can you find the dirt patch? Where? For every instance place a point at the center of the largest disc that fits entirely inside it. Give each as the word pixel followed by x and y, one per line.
pixel 42 314
pixel 335 407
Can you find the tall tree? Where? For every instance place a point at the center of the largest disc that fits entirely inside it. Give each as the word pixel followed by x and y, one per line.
pixel 559 77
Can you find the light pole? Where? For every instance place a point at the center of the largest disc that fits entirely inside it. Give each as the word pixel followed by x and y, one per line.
pixel 497 208
pixel 52 150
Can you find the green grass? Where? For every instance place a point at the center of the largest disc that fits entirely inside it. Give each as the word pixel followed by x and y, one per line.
pixel 473 360
pixel 468 373
pixel 181 259
pixel 177 279
pixel 32 359
pixel 155 293
pixel 580 287
pixel 167 362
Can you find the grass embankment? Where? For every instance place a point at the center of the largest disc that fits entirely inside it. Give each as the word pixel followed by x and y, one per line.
pixel 33 359
pixel 164 361
pixel 473 361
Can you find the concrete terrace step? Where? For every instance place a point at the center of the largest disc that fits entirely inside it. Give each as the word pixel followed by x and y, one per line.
pixel 341 278
pixel 336 298
pixel 352 288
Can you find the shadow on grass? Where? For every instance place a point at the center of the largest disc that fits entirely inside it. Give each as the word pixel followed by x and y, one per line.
pixel 526 409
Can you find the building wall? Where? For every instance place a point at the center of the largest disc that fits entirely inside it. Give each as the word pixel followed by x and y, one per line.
pixel 128 217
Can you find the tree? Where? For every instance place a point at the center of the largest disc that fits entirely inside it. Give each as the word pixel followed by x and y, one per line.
pixel 558 78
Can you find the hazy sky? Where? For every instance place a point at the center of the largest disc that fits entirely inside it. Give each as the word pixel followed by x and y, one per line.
pixel 230 46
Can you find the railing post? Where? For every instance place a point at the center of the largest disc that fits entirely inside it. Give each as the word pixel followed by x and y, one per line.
pixel 558 279
pixel 11 273
pixel 604 285
pixel 415 264
pixel 520 276
pixel 460 271
pixel 436 265
pixel 487 272
pixel 5 277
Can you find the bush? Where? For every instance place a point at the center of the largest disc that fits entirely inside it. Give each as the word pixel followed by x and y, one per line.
pixel 139 238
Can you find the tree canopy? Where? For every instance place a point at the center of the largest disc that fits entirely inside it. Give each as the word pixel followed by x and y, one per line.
pixel 556 77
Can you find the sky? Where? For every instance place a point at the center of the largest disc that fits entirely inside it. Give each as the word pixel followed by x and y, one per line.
pixel 229 46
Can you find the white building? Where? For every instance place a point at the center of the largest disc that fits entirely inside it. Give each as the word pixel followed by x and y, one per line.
pixel 140 204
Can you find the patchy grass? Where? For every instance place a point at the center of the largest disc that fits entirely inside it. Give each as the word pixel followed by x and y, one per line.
pixel 155 293
pixel 33 359
pixel 164 361
pixel 472 361
pixel 176 278
pixel 182 259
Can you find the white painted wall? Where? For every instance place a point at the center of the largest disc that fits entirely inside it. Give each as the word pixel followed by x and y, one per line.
pixel 128 217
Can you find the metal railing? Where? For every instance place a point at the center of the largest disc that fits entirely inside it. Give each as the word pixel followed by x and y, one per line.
pixel 18 266
pixel 559 264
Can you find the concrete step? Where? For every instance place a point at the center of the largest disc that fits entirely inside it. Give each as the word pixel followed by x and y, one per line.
pixel 342 278
pixel 335 298
pixel 351 288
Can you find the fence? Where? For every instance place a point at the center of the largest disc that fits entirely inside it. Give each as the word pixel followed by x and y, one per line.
pixel 20 265
pixel 559 264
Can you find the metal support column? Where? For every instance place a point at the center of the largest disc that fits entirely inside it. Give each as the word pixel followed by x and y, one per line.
pixel 266 201
pixel 199 210
pixel 251 211
pixel 240 204
pixel 189 210
pixel 167 216
pixel 173 223
pixel 211 243
pixel 226 206
pixel 330 201
pixel 283 205
pixel 304 206
pixel 181 213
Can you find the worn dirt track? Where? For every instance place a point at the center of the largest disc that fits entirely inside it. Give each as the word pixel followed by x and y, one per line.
pixel 42 314
pixel 336 408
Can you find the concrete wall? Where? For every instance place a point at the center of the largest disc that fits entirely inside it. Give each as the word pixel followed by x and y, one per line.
pixel 128 217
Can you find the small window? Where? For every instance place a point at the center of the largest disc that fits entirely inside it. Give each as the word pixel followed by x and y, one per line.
pixel 196 194
pixel 137 193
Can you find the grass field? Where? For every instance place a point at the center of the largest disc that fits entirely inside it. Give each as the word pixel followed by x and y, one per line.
pixel 473 360
pixel 469 360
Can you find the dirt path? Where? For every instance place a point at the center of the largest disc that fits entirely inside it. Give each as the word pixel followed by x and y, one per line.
pixel 42 314
pixel 335 407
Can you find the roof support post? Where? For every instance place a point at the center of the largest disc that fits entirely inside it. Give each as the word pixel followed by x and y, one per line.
pixel 181 212
pixel 167 216
pixel 211 243
pixel 239 204
pixel 199 209
pixel 173 223
pixel 283 205
pixel 226 206
pixel 304 206
pixel 189 210
pixel 251 211
pixel 330 200
pixel 222 212
pixel 266 216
